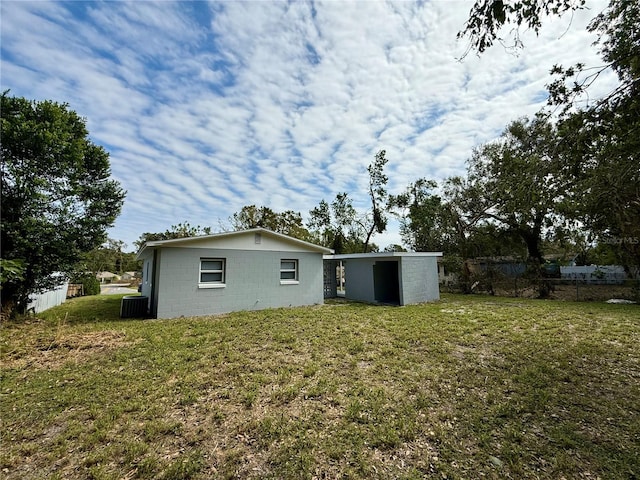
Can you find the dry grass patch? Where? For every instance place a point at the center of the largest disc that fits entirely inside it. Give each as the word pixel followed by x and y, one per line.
pixel 51 352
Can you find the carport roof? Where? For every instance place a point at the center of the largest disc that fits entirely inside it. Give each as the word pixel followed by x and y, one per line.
pixel 347 256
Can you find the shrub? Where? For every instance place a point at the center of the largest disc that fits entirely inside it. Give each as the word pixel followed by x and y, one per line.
pixel 90 284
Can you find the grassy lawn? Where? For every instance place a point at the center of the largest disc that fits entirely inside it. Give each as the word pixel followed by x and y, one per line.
pixel 467 387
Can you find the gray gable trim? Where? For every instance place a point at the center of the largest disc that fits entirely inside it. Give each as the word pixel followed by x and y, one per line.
pixel 192 241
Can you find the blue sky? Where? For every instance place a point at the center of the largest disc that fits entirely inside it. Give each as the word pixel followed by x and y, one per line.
pixel 207 107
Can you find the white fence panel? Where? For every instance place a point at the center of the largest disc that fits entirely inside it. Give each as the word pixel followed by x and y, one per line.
pixel 604 274
pixel 43 301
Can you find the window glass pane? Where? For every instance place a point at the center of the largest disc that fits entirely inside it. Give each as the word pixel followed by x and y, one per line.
pixel 211 277
pixel 287 275
pixel 288 265
pixel 211 265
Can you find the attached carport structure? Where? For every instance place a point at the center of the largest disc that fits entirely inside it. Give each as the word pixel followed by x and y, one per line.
pixel 396 278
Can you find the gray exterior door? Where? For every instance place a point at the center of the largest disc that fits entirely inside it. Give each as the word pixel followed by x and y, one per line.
pixel 386 284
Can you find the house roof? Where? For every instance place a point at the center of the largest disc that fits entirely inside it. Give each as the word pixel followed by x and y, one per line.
pixel 106 275
pixel 225 239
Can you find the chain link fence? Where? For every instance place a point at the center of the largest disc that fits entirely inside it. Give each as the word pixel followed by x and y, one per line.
pixel 578 288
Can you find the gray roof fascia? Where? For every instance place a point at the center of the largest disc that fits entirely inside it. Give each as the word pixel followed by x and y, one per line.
pixel 348 256
pixel 281 236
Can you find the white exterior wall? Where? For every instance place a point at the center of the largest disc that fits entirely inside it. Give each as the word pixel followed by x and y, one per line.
pixel 418 280
pixel 418 276
pixel 358 274
pixel 252 281
pixel 145 286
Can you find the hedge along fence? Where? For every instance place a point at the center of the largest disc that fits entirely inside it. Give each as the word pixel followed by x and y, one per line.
pixel 88 283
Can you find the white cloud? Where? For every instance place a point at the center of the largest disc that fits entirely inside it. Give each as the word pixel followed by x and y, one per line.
pixel 209 107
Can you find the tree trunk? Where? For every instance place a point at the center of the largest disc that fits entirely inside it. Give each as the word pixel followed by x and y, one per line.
pixel 369 234
pixel 532 241
pixel 536 260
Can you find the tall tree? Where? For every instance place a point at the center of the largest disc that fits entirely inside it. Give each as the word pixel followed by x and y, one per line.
pixel 336 225
pixel 602 160
pixel 287 222
pixel 618 39
pixel 466 207
pixel 601 143
pixel 518 174
pixel 488 17
pixel 598 139
pixel 110 256
pixel 341 227
pixel 57 195
pixel 376 220
pixel 423 226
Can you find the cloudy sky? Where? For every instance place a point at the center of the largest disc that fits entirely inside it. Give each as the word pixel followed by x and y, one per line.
pixel 207 107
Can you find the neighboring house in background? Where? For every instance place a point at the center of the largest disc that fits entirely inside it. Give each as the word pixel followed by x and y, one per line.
pixel 246 270
pixel 128 276
pixel 602 274
pixel 445 277
pixel 106 277
pixel 396 278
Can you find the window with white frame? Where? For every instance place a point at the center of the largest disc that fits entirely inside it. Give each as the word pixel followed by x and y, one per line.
pixel 288 271
pixel 212 274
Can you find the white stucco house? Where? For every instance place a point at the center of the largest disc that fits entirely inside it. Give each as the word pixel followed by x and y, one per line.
pixel 244 270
